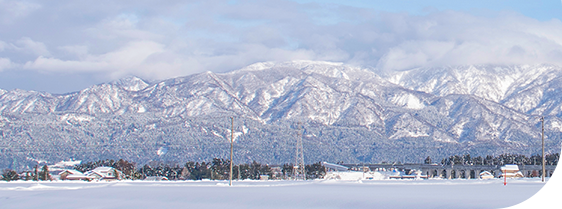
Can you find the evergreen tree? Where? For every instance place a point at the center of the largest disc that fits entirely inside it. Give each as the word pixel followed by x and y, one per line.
pixel 126 167
pixel 44 174
pixel 466 159
pixel 244 171
pixel 478 160
pixel 10 175
pixel 205 171
pixel 36 174
pixel 220 168
pixel 287 170
pixel 185 174
pixel 315 171
pixel 255 170
pixel 427 160
pixel 488 160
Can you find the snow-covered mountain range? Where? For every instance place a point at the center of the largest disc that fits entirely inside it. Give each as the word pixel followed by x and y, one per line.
pixel 348 113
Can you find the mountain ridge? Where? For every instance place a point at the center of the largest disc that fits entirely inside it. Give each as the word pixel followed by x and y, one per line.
pixel 353 114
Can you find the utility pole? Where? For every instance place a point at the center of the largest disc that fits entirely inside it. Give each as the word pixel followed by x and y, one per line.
pixel 231 142
pixel 543 160
pixel 36 174
pixel 299 168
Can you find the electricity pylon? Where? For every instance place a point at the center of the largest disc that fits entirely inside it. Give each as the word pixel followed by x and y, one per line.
pixel 299 167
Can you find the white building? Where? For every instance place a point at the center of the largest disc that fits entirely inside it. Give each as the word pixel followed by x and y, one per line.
pixel 486 175
pixel 74 175
pixel 511 171
pixel 105 173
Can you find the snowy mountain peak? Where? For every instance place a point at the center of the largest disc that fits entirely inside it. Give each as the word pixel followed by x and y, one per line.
pixel 491 82
pixel 131 83
pixel 258 66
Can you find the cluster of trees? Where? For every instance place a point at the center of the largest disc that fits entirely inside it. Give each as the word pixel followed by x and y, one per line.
pixel 217 169
pixel 10 175
pixel 466 159
pixel 313 171
pixel 43 174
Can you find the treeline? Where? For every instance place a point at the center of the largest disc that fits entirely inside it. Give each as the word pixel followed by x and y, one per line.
pixel 503 159
pixel 217 169
pixel 43 174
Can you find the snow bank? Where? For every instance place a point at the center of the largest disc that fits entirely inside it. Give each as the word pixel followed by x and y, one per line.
pixel 269 194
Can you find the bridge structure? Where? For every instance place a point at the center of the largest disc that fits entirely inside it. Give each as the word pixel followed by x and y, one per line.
pixel 455 171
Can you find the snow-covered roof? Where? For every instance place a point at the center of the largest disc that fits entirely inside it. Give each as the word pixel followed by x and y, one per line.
pixel 103 173
pixel 72 171
pixel 510 167
pixel 103 169
pixel 100 172
pixel 93 173
pixel 485 173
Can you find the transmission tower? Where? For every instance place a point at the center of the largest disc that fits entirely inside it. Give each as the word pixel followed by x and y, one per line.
pixel 299 168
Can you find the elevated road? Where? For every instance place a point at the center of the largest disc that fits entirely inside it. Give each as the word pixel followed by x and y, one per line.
pixel 455 171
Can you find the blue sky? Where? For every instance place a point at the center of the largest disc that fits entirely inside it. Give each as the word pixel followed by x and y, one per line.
pixel 65 46
pixel 540 10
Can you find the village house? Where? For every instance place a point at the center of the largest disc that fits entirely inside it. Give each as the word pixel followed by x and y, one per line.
pixel 105 173
pixel 511 171
pixel 486 175
pixel 74 175
pixel 63 167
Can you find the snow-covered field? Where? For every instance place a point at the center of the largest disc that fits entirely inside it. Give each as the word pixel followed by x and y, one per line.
pixel 270 194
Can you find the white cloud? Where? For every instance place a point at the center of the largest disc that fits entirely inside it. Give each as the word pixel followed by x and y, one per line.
pixel 79 51
pixel 412 54
pixel 168 39
pixel 152 60
pixel 27 45
pixel 5 63
pixel 122 26
pixel 125 59
pixel 12 10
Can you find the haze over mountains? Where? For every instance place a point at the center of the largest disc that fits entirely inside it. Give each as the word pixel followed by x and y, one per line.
pixel 347 113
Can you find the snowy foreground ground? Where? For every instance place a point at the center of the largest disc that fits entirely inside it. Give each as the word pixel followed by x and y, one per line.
pixel 270 194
